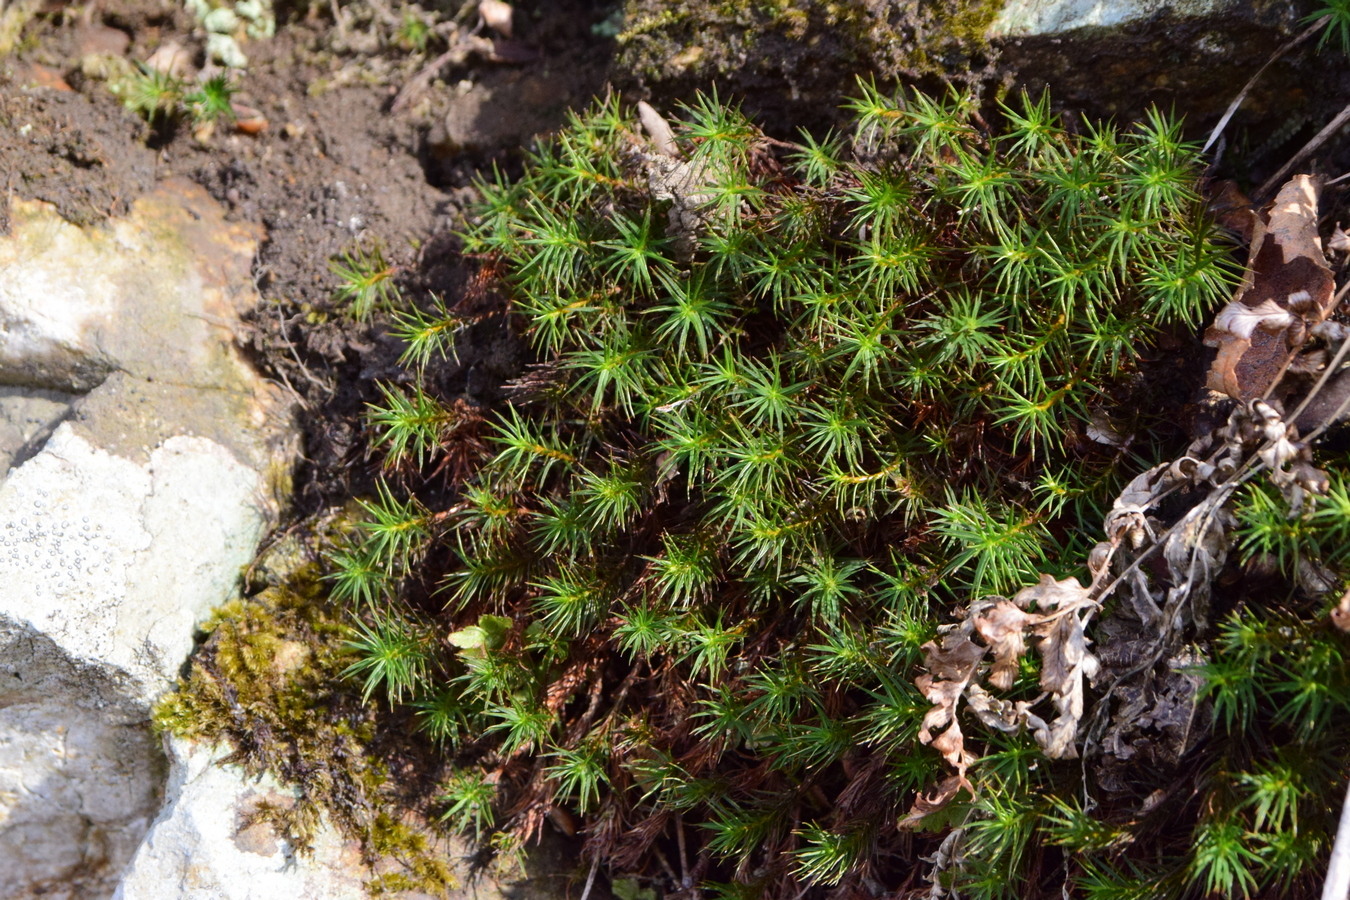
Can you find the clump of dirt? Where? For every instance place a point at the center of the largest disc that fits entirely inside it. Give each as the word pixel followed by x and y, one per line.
pixel 79 153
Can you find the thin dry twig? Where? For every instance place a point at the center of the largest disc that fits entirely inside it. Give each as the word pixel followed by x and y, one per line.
pixel 590 879
pixel 1242 94
pixel 1318 140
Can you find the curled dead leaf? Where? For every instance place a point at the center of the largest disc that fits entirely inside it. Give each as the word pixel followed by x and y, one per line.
pixel 1001 715
pixel 1053 595
pixel 932 801
pixel 951 744
pixel 955 658
pixel 950 667
pixel 1127 522
pixel 1340 616
pixel 1286 289
pixel 944 696
pixel 1233 210
pixel 1339 241
pixel 1065 663
pixel 1002 625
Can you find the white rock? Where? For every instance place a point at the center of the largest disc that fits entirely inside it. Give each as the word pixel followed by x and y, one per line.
pixel 202 846
pixel 115 560
pixel 148 461
pixel 1019 18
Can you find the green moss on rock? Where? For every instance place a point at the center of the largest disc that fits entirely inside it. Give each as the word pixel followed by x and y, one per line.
pixel 268 681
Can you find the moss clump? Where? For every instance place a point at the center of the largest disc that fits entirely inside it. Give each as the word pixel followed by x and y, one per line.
pixel 792 404
pixel 268 681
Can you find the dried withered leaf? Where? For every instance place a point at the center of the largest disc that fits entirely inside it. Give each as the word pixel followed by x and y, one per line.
pixel 1195 551
pixel 1128 521
pixel 1155 721
pixel 943 695
pixel 936 799
pixel 1339 241
pixel 1065 662
pixel 1002 625
pixel 1233 210
pixel 1065 656
pixel 1099 558
pixel 1053 595
pixel 1001 715
pixel 955 658
pixel 1287 284
pixel 1240 320
pixel 951 744
pixel 1315 578
pixel 950 667
pixel 1104 430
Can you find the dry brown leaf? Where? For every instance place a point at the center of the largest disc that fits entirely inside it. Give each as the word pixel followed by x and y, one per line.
pixel 1002 626
pixel 1128 522
pixel 938 798
pixel 951 744
pixel 1340 616
pixel 1195 551
pixel 950 667
pixel 1339 241
pixel 1286 289
pixel 955 658
pixel 1001 715
pixel 1065 662
pixel 1052 595
pixel 943 695
pixel 1233 210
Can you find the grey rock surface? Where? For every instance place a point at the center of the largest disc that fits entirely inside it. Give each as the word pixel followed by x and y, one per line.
pixel 144 461
pixel 1043 17
pixel 203 846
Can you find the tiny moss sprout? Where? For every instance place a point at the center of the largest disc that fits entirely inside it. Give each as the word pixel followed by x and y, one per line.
pixel 210 102
pixel 150 93
pixel 365 281
pixel 159 96
pixel 413 32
